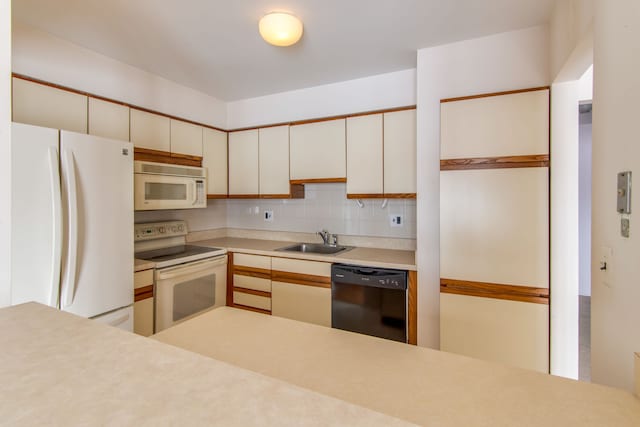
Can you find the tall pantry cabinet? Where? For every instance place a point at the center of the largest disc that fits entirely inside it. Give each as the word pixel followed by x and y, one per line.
pixel 494 227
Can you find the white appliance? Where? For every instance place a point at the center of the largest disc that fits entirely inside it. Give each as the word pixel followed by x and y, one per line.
pixel 72 221
pixel 188 279
pixel 164 186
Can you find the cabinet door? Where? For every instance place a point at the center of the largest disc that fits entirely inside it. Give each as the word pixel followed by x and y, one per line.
pixel 186 138
pixel 42 105
pixel 309 304
pixel 364 155
pixel 143 317
pixel 243 163
pixel 510 332
pixel 274 161
pixel 150 131
pixel 108 119
pixel 214 159
pixel 400 152
pixel 318 150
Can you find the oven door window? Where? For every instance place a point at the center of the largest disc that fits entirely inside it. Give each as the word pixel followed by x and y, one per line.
pixel 193 296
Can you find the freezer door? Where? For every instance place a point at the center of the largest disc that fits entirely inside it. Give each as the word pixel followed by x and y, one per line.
pixel 121 319
pixel 97 183
pixel 36 236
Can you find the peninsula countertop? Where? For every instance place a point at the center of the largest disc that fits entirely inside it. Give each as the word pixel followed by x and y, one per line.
pixel 60 369
pixel 373 257
pixel 419 385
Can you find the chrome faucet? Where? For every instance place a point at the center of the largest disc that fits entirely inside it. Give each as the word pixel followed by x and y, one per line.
pixel 328 238
pixel 325 236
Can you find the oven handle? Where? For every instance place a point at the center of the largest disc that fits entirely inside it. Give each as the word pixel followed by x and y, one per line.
pixel 191 268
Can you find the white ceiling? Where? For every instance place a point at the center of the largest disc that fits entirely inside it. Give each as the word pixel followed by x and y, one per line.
pixel 213 45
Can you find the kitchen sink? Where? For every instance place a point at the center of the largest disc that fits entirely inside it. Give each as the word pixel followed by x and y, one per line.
pixel 314 248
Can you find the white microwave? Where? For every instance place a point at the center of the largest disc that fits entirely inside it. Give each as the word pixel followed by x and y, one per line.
pixel 165 186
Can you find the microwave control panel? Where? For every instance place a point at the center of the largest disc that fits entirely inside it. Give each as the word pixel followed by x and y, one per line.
pixel 159 230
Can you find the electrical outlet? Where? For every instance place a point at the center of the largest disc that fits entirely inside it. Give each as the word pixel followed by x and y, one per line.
pixel 396 220
pixel 268 216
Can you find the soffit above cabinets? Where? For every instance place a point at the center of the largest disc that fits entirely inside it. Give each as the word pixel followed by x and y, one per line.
pixel 213 46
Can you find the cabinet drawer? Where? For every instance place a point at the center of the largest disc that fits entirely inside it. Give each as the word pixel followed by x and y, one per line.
pixel 255 283
pixel 142 278
pixel 304 303
pixel 312 268
pixel 254 261
pixel 254 301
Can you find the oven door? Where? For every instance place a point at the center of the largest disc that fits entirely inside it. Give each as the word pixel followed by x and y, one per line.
pixel 189 289
pixel 154 192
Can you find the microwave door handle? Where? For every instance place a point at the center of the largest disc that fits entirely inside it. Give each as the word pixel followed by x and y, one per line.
pixel 195 192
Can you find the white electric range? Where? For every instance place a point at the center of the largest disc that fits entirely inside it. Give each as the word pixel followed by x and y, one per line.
pixel 188 279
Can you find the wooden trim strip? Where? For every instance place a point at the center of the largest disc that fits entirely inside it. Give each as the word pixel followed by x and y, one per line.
pixel 260 273
pixel 412 309
pixel 148 155
pixel 243 196
pixel 102 98
pixel 487 95
pixel 230 279
pixel 328 118
pixel 246 307
pixel 382 196
pixel 217 196
pixel 301 279
pixel 252 292
pixel 502 162
pixel 495 290
pixel 143 293
pixel 317 181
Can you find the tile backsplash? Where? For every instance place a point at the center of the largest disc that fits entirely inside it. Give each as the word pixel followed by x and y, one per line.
pixel 325 206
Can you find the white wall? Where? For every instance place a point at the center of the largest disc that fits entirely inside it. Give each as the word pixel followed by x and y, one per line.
pixel 570 21
pixel 389 90
pixel 5 152
pixel 40 55
pixel 500 62
pixel 615 294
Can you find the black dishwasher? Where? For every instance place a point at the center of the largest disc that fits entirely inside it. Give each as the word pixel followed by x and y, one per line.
pixel 371 301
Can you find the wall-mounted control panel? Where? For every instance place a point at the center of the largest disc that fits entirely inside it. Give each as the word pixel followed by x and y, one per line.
pixel 624 192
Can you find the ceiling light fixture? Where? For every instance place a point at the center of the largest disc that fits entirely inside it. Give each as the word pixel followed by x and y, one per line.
pixel 280 29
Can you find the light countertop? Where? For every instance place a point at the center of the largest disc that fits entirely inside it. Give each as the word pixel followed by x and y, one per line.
pixel 373 257
pixel 60 369
pixel 416 384
pixel 141 264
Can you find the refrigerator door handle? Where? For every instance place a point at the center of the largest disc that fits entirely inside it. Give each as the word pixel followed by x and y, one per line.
pixel 72 251
pixel 56 253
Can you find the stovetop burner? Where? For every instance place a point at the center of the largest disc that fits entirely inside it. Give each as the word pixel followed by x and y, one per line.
pixel 172 255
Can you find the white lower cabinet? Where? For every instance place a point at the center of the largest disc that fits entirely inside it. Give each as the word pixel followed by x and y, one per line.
pixel 305 303
pixel 143 317
pixel 503 331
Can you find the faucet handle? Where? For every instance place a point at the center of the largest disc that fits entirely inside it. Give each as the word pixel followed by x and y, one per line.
pixel 333 239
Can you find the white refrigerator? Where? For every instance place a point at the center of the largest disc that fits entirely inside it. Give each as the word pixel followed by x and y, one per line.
pixel 72 223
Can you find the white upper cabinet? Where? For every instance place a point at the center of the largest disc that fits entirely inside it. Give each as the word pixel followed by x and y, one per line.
pixel 318 150
pixel 186 138
pixel 108 119
pixel 243 163
pixel 150 131
pixel 400 152
pixel 43 105
pixel 214 159
pixel 274 160
pixel 507 125
pixel 364 155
